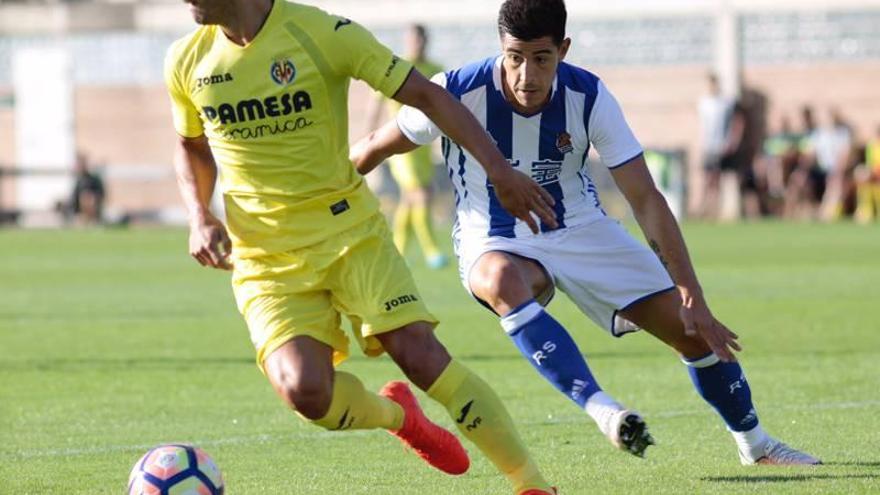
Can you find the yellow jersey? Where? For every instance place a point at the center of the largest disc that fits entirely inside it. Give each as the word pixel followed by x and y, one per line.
pixel 872 155
pixel 275 113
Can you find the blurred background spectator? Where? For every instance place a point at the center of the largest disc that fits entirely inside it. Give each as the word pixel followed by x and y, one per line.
pixel 86 205
pixel 779 157
pixel 825 168
pixel 716 127
pixel 867 178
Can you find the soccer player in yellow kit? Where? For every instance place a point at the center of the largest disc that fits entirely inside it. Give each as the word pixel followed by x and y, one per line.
pixel 868 182
pixel 260 89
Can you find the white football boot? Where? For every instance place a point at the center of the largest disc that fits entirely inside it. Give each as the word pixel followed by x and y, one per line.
pixel 778 454
pixel 627 431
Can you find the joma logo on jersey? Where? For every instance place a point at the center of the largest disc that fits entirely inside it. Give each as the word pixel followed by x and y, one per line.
pixel 400 301
pixel 283 72
pixel 213 79
pixel 394 61
pixel 256 109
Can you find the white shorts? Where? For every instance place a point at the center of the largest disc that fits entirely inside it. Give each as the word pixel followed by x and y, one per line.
pixel 600 266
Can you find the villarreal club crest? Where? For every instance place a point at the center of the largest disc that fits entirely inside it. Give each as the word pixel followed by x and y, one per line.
pixel 283 72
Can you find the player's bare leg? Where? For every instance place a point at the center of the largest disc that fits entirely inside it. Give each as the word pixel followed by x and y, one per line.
pixel 476 409
pixel 658 315
pixel 722 384
pixel 512 286
pixel 709 207
pixel 302 373
pixel 418 353
pixel 505 281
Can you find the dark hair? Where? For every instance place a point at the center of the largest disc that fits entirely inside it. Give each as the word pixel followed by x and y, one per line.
pixel 529 20
pixel 420 31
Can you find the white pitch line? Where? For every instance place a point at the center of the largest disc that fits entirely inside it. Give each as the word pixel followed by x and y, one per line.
pixel 316 434
pixel 107 449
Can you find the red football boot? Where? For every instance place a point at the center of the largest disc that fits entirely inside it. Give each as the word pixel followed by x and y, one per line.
pixel 436 445
pixel 539 492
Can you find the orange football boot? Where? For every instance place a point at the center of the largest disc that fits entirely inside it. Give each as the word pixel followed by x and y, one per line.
pixel 436 445
pixel 539 492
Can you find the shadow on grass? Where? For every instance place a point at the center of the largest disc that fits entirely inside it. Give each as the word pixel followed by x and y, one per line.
pixel 854 463
pixel 782 478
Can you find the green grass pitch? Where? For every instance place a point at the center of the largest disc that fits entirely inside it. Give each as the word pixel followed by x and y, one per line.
pixel 114 341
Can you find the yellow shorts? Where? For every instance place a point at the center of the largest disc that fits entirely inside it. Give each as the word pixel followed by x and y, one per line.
pixel 414 170
pixel 358 273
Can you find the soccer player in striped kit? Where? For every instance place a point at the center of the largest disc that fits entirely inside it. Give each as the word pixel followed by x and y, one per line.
pixel 544 115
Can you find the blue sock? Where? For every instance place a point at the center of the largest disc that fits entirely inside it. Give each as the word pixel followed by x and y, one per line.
pixel 725 388
pixel 551 351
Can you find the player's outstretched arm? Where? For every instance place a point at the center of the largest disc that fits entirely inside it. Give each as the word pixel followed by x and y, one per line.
pixel 665 238
pixel 376 147
pixel 196 173
pixel 518 193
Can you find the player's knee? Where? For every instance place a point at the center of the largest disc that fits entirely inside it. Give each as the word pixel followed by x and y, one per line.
pixel 497 280
pixel 313 402
pixel 310 396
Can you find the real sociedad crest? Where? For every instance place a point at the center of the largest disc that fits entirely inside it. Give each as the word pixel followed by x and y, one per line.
pixel 283 72
pixel 563 143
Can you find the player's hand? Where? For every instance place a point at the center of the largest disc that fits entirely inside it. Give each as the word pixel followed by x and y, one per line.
pixel 700 323
pixel 209 243
pixel 521 196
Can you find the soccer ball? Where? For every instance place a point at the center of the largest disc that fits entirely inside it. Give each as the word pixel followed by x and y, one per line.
pixel 175 470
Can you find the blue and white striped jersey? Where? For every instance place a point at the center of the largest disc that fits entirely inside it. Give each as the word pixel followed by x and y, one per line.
pixel 551 146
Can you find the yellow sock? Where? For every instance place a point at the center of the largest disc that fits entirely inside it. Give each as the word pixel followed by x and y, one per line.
pixel 401 227
pixel 421 222
pixel 353 408
pixel 875 188
pixel 865 202
pixel 482 418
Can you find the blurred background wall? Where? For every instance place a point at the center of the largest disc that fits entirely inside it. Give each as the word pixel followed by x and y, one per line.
pixel 654 55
